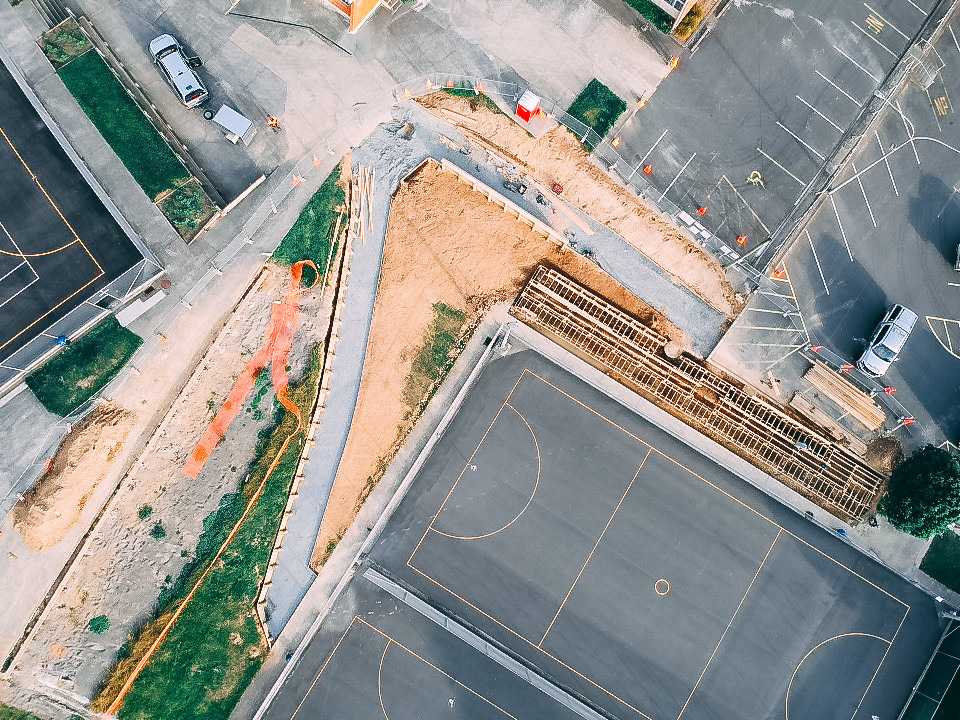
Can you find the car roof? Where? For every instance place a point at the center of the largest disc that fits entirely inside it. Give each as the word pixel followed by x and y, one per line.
pixel 162 42
pixel 902 316
pixel 184 78
pixel 893 337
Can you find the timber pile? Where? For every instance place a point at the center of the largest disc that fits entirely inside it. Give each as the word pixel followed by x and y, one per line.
pixel 819 417
pixel 845 394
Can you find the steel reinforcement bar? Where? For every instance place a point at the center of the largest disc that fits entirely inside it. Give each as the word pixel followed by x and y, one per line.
pixel 801 456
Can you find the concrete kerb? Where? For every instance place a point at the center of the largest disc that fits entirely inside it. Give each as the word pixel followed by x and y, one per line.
pixel 384 517
pixel 708 448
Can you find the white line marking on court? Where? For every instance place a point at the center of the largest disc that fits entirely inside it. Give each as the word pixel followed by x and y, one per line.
pixel 743 200
pixel 873 37
pixel 18 249
pixel 864 193
pixel 816 260
pixel 21 290
pixel 861 67
pixel 889 24
pixel 760 150
pixel 799 140
pixel 876 134
pixel 828 120
pixel 840 90
pixel 840 225
pixel 11 272
pixel 662 196
pixel 877 671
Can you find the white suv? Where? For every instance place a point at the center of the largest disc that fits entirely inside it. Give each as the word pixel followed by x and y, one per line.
pixel 887 341
pixel 168 55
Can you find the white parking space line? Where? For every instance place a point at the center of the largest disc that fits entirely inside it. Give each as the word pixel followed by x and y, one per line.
pixel 799 140
pixel 773 329
pixel 840 225
pixel 858 65
pixel 873 37
pixel 825 118
pixel 947 203
pixel 816 260
pixel 652 148
pixel 889 24
pixel 840 90
pixel 887 163
pixel 672 182
pixel 954 37
pixel 801 182
pixel 910 131
pixel 946 342
pixel 911 2
pixel 744 201
pixel 864 192
pixel 765 310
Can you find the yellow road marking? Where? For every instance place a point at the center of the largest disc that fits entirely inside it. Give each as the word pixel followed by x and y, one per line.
pixel 875 24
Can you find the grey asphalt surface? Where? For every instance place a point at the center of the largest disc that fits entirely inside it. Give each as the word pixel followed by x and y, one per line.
pixel 771 89
pixel 39 289
pixel 561 567
pixel 376 658
pixel 892 238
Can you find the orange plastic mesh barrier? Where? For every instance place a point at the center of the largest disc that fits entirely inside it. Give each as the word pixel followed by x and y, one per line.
pixel 279 338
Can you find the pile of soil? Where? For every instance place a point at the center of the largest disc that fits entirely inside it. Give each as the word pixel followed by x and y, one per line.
pixel 445 243
pixel 883 454
pixel 559 157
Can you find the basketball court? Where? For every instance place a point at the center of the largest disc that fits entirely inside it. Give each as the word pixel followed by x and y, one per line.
pixel 59 245
pixel 637 573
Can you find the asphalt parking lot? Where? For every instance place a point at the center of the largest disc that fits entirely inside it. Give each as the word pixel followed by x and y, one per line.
pixel 637 573
pixel 887 233
pixel 770 91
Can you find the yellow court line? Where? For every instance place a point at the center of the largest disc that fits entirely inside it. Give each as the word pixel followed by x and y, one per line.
pixel 391 641
pixel 593 550
pixel 786 698
pixel 40 254
pixel 729 625
pixel 533 493
pixel 323 667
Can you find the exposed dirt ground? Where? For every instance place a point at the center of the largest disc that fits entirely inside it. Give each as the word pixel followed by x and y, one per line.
pixel 445 243
pixel 122 568
pixel 559 157
pixel 46 513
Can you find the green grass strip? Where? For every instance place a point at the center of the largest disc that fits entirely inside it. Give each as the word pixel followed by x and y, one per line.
pixel 597 106
pixel 125 128
pixel 435 357
pixel 11 713
pixel 655 14
pixel 942 561
pixel 84 367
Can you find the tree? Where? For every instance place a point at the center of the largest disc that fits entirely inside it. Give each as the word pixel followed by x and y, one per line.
pixel 923 497
pixel 99 624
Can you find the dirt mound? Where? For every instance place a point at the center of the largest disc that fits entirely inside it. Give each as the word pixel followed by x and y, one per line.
pixel 883 454
pixel 559 157
pixel 46 513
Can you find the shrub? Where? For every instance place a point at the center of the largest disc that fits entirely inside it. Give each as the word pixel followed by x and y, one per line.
pixel 158 532
pixel 597 106
pixel 923 498
pixel 689 24
pixel 144 511
pixel 99 625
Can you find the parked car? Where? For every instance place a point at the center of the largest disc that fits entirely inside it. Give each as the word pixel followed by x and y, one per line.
pixel 177 70
pixel 887 341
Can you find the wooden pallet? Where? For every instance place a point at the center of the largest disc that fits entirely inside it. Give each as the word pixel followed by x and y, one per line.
pixel 846 395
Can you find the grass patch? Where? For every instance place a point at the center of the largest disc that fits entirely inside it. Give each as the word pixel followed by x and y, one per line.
pixel 8 712
pixel 310 237
pixel 688 26
pixel 188 208
pixel 64 43
pixel 942 561
pixel 659 17
pixel 84 367
pixel 126 129
pixel 597 106
pixel 477 100
pixel 434 358
pixel 215 648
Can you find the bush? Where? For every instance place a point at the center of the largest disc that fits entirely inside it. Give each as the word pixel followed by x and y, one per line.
pixel 158 532
pixel 597 106
pixel 689 24
pixel 8 712
pixel 64 42
pixel 187 208
pixel 84 367
pixel 660 19
pixel 435 356
pixel 99 625
pixel 144 511
pixel 923 498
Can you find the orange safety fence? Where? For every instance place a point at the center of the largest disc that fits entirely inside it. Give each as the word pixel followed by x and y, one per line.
pixel 277 348
pixel 274 351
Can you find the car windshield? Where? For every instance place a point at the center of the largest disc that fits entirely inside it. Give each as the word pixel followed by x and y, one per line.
pixel 884 353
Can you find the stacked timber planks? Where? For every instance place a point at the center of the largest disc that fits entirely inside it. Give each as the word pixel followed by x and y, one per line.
pixel 845 394
pixel 803 458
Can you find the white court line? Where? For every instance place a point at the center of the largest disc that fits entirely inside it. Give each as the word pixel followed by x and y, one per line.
pixel 910 132
pixel 23 289
pixel 840 90
pixel 872 37
pixel 861 67
pixel 744 201
pixel 802 183
pixel 678 176
pixel 865 199
pixel 22 256
pixel 15 268
pixel 828 120
pixel 797 138
pixel 890 24
pixel 933 109
pixel 816 260
pixel 840 224
pixel 887 162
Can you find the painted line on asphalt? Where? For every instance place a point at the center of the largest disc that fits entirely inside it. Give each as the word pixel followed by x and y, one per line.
pixel 744 201
pixel 652 148
pixel 886 161
pixel 872 37
pixel 817 260
pixel 840 225
pixel 910 131
pixel 889 24
pixel 953 35
pixel 799 140
pixel 801 182
pixel 911 2
pixel 864 193
pixel 830 122
pixel 664 194
pixel 858 65
pixel 840 90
